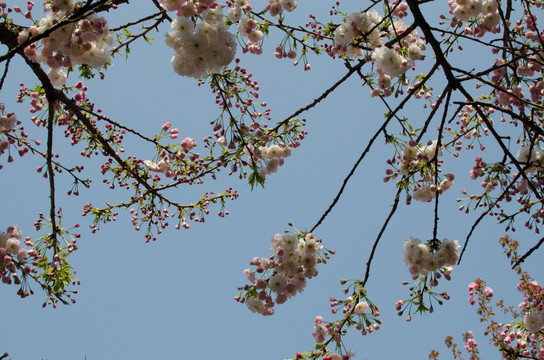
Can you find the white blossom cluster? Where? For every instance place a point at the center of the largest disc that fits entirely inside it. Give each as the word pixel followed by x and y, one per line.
pixel 486 10
pixel 188 8
pixel 7 122
pixel 396 61
pixel 10 249
pixel 358 25
pixel 532 158
pixel 420 260
pixel 83 42
pixel 271 157
pixel 534 321
pixel 294 260
pixel 202 48
pixel 414 159
pixel 362 29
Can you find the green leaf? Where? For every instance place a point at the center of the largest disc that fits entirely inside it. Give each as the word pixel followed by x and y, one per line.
pixel 256 178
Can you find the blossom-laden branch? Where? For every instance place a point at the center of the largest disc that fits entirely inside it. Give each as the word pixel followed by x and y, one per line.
pixel 383 48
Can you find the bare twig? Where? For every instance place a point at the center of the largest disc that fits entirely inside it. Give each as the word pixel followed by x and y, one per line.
pixel 528 253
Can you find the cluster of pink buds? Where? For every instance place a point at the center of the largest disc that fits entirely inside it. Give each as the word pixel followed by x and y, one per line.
pixel 284 274
pixel 477 286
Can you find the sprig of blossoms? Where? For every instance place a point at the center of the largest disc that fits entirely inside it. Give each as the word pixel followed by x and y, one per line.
pixel 13 256
pixel 427 263
pixel 421 160
pixel 83 42
pixel 7 122
pixel 420 259
pixel 485 11
pixel 357 30
pixel 268 158
pixel 532 158
pixel 522 338
pixel 202 47
pixel 356 310
pixel 284 274
pixel 361 30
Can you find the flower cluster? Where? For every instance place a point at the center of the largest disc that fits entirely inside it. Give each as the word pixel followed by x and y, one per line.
pixel 420 259
pixel 361 29
pixel 366 320
pixel 188 8
pixel 83 42
pixel 272 157
pixel 396 61
pixel 532 158
pixel 476 287
pixel 10 251
pixel 357 29
pixel 284 274
pixel 276 7
pixel 163 165
pixel 7 122
pixel 486 11
pixel 422 160
pixel 534 321
pixel 413 156
pixel 248 27
pixel 532 305
pixel 203 47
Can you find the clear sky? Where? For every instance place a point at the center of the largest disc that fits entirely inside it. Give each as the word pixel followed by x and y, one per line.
pixel 173 299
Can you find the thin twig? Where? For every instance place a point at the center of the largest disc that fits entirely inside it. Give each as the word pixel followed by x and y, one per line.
pixel 6 68
pixel 378 238
pixel 528 253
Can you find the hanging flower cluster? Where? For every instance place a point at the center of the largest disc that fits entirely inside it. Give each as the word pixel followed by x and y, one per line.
pixel 11 252
pixel 486 11
pixel 420 259
pixel 203 47
pixel 422 160
pixel 396 61
pixel 188 8
pixel 532 305
pixel 270 158
pixel 361 30
pixel 7 122
pixel 358 29
pixel 83 42
pixel 284 274
pixel 532 158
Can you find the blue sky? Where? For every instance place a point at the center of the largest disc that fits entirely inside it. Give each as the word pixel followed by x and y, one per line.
pixel 173 299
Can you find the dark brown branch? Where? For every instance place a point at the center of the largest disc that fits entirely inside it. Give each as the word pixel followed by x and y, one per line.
pixel 369 145
pixel 438 145
pixel 322 96
pixel 528 253
pixel 51 173
pixel 378 238
pixel 144 33
pixel 455 84
pixel 6 68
